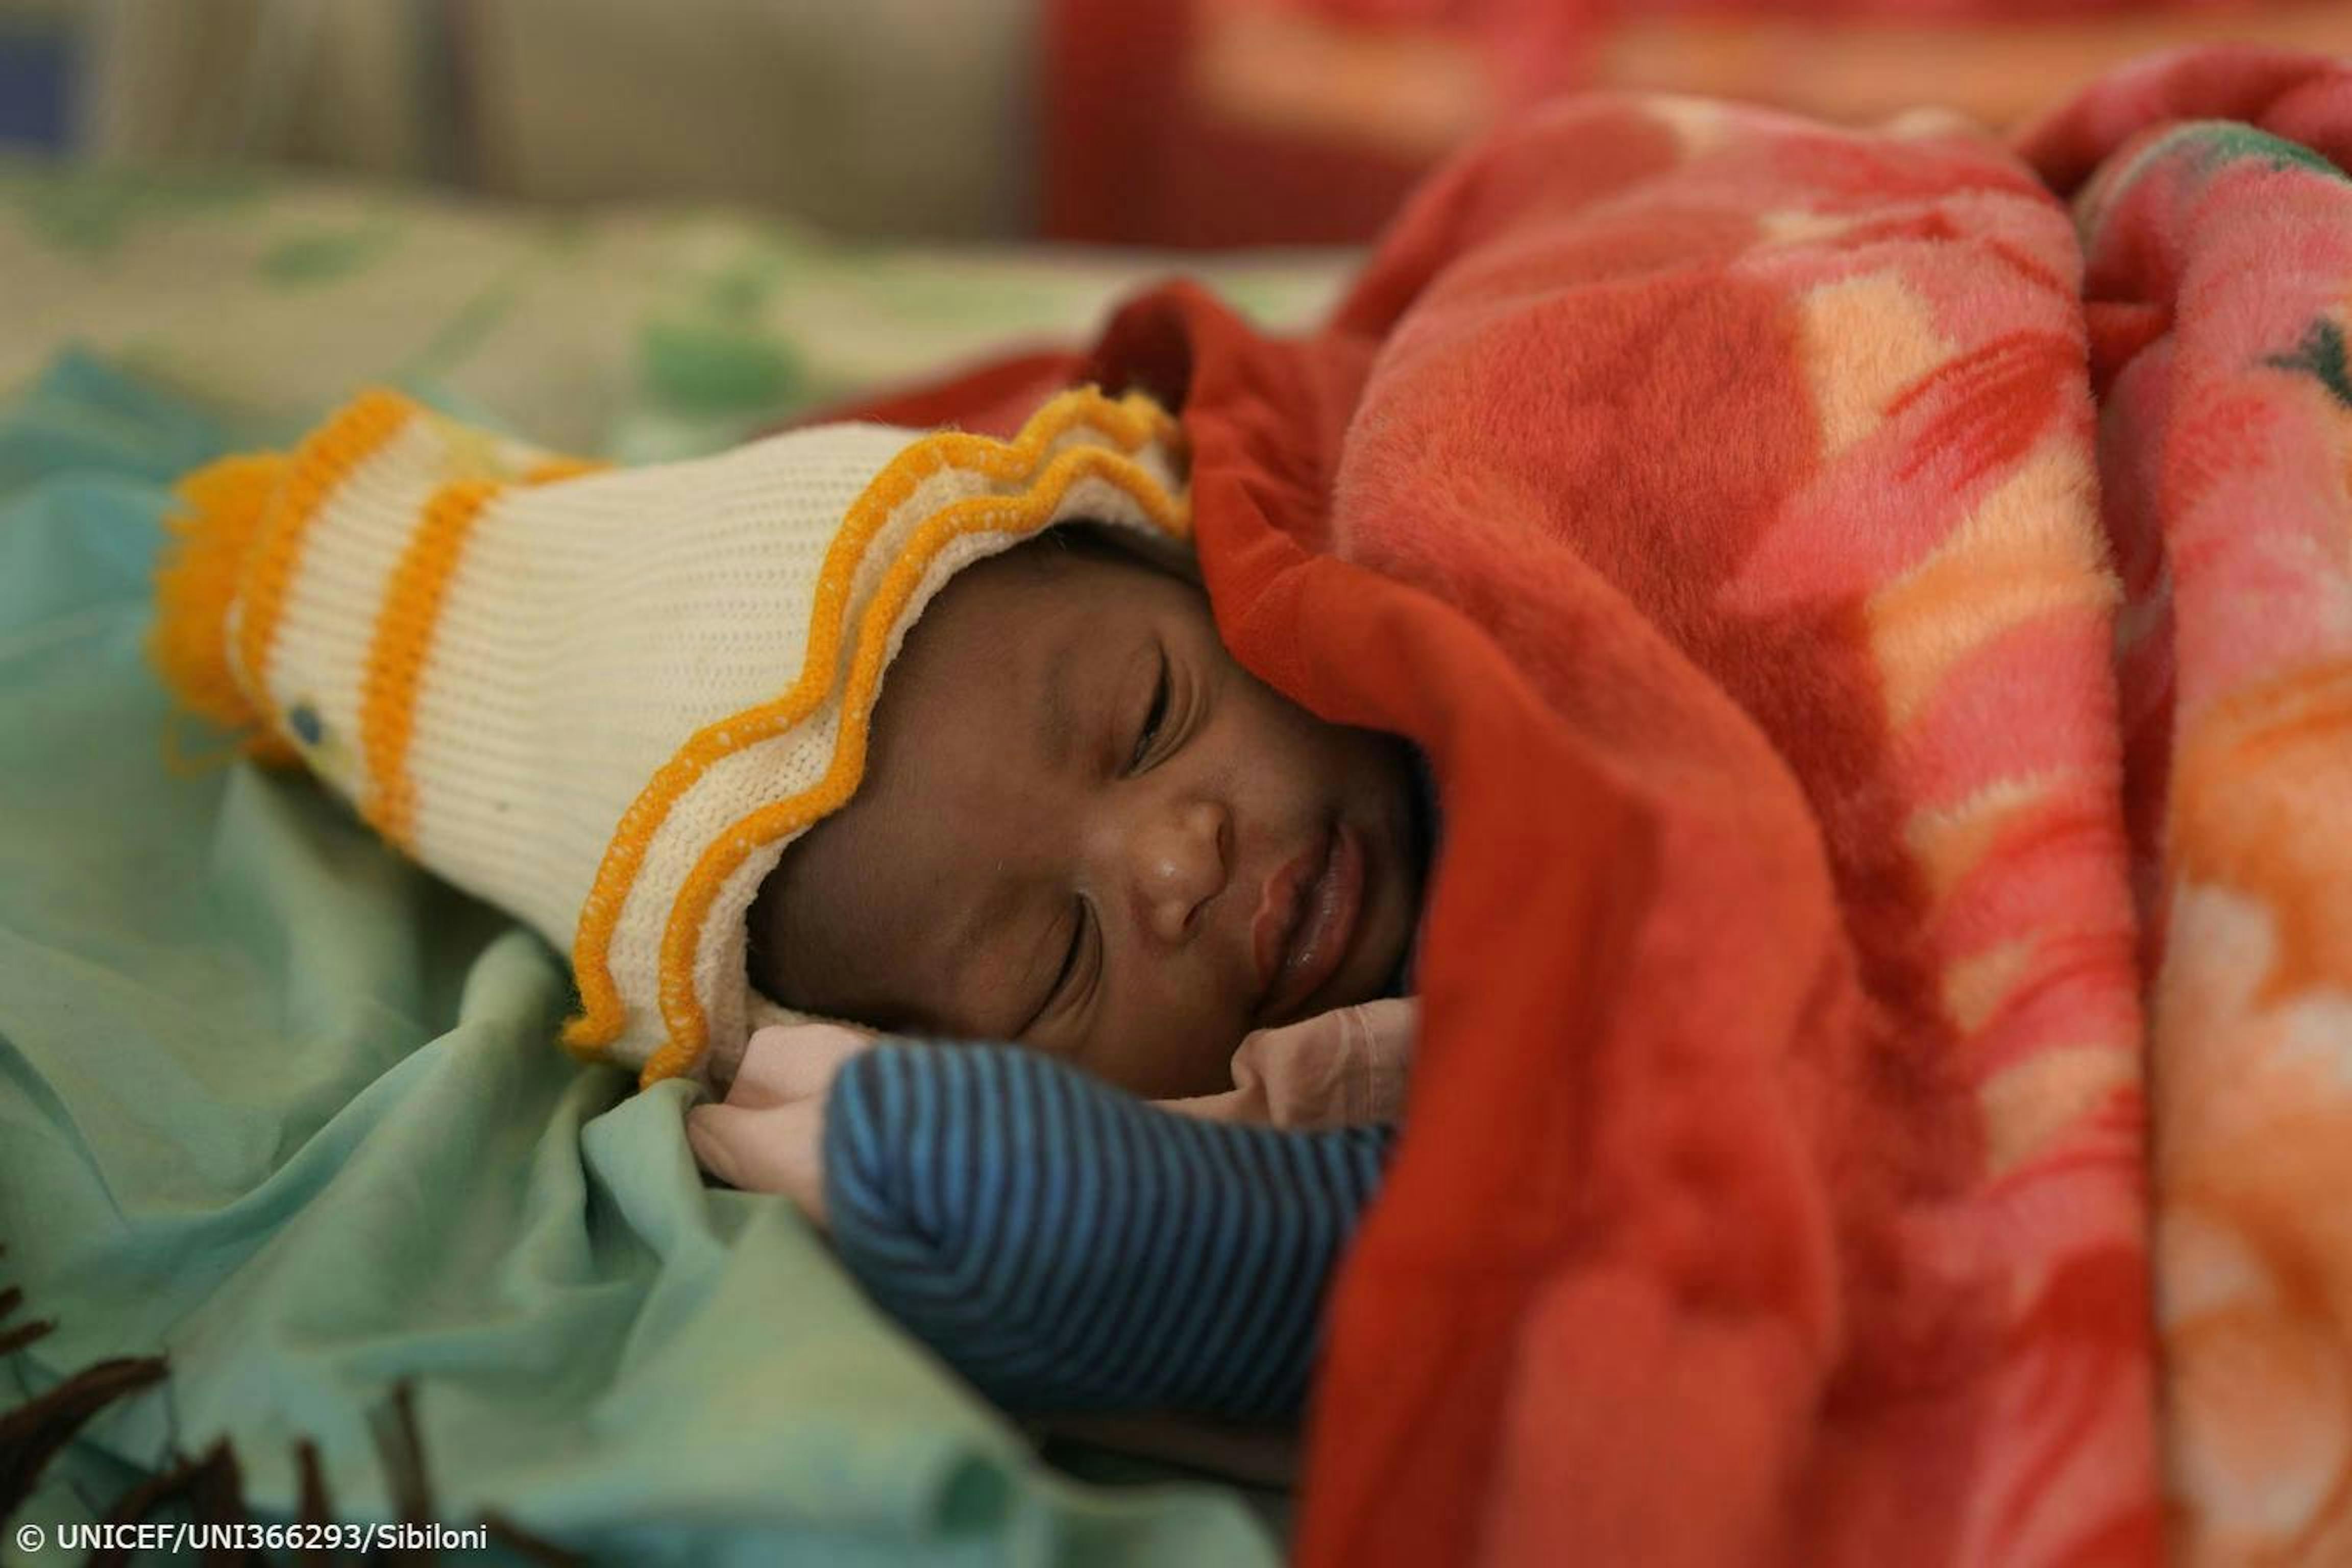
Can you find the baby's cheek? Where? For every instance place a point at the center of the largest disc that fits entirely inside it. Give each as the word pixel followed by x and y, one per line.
pixel 1179 1063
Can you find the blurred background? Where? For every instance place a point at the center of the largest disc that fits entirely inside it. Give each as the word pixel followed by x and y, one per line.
pixel 647 227
pixel 1190 122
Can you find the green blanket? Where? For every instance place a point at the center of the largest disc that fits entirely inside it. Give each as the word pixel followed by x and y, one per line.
pixel 276 1104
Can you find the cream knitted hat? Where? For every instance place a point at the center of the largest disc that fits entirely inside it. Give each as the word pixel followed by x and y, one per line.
pixel 606 700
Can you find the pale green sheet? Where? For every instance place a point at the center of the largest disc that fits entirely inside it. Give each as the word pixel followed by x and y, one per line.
pixel 281 1105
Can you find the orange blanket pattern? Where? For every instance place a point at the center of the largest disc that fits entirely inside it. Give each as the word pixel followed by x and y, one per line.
pixel 2220 289
pixel 1878 605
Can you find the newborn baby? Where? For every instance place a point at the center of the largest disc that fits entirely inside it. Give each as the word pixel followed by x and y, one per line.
pixel 876 724
pixel 1087 829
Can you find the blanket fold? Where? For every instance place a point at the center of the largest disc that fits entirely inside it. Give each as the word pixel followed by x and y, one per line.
pixel 2226 445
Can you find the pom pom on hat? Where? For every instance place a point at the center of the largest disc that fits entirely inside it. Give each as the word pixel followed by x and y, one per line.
pixel 196 587
pixel 608 699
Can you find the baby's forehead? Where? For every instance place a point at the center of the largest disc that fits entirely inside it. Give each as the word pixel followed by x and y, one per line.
pixel 1033 595
pixel 1015 645
pixel 1012 651
pixel 1082 551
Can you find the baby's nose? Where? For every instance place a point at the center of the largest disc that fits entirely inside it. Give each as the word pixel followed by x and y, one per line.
pixel 1179 859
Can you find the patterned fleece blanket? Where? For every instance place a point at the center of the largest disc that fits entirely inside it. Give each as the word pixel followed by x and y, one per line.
pixel 2218 291
pixel 1884 639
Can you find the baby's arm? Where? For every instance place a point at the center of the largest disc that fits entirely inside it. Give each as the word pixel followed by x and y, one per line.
pixel 1068 1246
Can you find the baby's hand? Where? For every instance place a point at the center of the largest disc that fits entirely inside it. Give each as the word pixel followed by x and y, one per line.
pixel 769 1135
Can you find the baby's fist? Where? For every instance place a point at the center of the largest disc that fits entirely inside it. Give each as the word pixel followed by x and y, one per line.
pixel 769 1135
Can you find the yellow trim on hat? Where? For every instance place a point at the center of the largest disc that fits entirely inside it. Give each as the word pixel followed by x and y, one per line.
pixel 548 470
pixel 1130 423
pixel 1022 515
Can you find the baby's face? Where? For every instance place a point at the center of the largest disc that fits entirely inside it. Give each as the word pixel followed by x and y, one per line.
pixel 1084 828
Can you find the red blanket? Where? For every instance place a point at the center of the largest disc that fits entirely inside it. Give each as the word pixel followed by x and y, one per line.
pixel 1716 497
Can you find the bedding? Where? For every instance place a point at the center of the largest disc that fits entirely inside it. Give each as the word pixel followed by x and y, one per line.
pixel 2220 271
pixel 1892 698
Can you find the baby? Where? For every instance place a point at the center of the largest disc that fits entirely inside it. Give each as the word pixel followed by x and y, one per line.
pixel 923 730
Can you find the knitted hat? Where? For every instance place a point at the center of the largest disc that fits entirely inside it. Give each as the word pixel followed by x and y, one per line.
pixel 606 700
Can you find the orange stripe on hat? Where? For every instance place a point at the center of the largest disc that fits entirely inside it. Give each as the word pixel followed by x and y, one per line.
pixel 413 598
pixel 1022 515
pixel 326 458
pixel 403 641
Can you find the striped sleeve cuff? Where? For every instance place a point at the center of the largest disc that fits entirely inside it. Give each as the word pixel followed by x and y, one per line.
pixel 1067 1246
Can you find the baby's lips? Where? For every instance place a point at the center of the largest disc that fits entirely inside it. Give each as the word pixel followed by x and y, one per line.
pixel 786 1062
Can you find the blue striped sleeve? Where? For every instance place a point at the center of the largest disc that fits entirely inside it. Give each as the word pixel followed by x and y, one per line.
pixel 1069 1248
